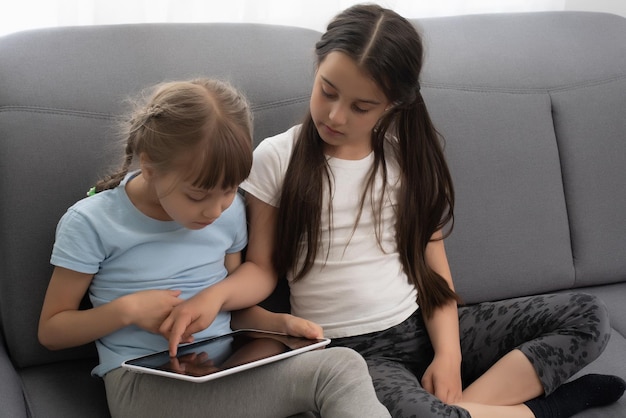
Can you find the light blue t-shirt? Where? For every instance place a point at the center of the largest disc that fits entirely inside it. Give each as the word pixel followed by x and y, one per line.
pixel 127 251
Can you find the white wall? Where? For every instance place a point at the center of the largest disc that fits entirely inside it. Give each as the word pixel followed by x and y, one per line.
pixel 617 7
pixel 18 15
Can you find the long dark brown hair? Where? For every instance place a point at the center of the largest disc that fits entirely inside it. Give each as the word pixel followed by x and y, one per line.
pixel 389 49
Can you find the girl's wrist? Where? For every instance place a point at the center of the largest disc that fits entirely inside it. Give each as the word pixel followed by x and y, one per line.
pixel 276 322
pixel 451 356
pixel 285 320
pixel 214 295
pixel 127 309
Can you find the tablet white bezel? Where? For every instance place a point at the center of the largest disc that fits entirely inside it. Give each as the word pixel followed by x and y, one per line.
pixel 235 369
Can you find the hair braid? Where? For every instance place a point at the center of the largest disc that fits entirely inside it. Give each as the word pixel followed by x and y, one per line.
pixel 113 180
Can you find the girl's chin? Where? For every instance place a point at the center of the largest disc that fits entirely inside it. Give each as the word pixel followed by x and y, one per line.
pixel 198 225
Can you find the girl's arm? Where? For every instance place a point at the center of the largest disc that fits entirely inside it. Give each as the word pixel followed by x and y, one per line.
pixel 63 325
pixel 443 376
pixel 256 317
pixel 262 223
pixel 248 284
pixel 255 279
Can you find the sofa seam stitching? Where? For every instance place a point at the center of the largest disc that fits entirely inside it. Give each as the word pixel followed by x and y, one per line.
pixel 55 111
pixel 100 115
pixel 538 90
pixel 274 105
pixel 564 190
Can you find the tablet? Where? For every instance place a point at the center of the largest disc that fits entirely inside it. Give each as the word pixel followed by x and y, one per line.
pixel 220 356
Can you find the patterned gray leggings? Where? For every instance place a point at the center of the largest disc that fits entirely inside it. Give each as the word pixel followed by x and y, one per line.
pixel 559 333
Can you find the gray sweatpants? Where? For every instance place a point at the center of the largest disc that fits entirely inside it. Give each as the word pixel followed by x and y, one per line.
pixel 559 333
pixel 332 382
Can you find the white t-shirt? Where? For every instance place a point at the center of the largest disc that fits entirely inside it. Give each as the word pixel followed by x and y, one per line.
pixel 354 287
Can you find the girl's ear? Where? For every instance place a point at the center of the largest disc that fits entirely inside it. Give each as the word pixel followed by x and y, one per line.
pixel 147 170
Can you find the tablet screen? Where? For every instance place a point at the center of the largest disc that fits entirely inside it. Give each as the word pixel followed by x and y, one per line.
pixel 218 356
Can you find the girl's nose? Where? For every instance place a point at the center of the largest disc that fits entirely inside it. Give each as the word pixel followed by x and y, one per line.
pixel 212 211
pixel 337 114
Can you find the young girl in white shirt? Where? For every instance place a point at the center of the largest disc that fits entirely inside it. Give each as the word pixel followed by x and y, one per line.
pixel 352 206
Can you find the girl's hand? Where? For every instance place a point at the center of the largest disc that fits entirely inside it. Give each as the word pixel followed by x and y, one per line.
pixel 299 327
pixel 149 308
pixel 187 318
pixel 443 379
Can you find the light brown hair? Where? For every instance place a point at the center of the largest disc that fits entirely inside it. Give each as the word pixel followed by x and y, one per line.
pixel 202 127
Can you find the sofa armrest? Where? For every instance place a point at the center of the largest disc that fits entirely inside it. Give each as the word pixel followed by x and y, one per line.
pixel 11 395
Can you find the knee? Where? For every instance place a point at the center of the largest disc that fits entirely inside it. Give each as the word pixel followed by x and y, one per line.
pixel 347 356
pixel 593 319
pixel 346 361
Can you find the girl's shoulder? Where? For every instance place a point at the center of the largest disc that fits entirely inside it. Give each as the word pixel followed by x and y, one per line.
pixel 281 143
pixel 89 218
pixel 270 163
pixel 231 223
pixel 99 202
pixel 106 199
pixel 237 209
pixel 273 153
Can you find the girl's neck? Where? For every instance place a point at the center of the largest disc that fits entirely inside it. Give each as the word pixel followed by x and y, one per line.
pixel 348 152
pixel 143 196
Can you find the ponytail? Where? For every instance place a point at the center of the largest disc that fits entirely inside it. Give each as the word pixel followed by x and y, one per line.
pixel 426 201
pixel 133 129
pixel 113 180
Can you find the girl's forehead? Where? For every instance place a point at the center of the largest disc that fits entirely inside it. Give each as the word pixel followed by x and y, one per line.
pixel 342 73
pixel 204 169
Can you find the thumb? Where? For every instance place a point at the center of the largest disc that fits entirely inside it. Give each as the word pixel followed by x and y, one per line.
pixel 312 331
pixel 427 383
pixel 176 294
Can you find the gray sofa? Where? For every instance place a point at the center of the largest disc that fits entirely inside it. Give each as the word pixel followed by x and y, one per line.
pixel 532 108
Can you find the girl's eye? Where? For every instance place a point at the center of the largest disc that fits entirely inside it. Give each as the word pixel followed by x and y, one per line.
pixel 195 198
pixel 327 94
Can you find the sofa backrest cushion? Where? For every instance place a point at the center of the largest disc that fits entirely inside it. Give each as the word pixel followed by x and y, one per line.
pixel 533 110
